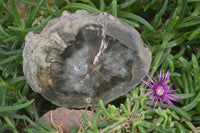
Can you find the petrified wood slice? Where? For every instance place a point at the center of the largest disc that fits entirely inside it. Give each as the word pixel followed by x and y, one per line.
pixel 80 58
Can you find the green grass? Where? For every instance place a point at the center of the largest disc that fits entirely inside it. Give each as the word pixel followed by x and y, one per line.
pixel 171 30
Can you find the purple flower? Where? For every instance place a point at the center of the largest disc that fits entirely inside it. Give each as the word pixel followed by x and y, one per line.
pixel 160 90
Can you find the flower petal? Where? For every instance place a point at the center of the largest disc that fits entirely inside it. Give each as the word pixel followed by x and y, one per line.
pixel 172 91
pixel 148 84
pixel 162 105
pixel 150 79
pixel 146 89
pixel 155 104
pixel 173 96
pixel 163 77
pixel 168 87
pixel 159 75
pixel 153 78
pixel 167 76
pixel 148 102
pixel 149 93
pixel 169 102
pixel 152 100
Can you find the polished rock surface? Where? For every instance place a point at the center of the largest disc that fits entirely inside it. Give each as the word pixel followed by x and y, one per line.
pixel 80 58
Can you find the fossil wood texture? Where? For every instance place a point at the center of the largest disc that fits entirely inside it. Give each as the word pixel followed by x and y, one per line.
pixel 80 58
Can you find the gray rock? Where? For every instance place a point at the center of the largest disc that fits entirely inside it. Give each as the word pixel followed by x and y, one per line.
pixel 80 58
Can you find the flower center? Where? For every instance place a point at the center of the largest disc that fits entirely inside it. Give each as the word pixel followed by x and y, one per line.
pixel 160 91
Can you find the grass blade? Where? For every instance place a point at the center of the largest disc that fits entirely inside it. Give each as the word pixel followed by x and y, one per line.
pixel 194 33
pixel 80 6
pixel 10 59
pixel 15 107
pixel 180 111
pixel 114 8
pixel 33 28
pixel 34 12
pixel 158 16
pixel 127 4
pixel 136 18
pixel 196 73
pixel 102 5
